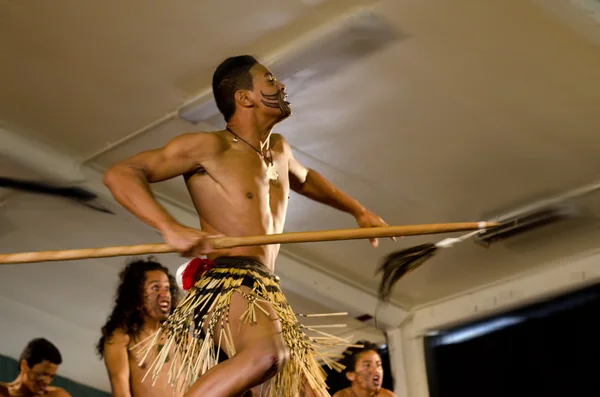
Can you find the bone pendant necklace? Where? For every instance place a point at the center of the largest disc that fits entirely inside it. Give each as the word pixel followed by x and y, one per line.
pixel 271 169
pixel 272 172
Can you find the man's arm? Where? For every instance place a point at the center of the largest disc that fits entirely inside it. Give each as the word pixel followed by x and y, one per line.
pixel 315 186
pixel 129 179
pixel 116 360
pixel 129 182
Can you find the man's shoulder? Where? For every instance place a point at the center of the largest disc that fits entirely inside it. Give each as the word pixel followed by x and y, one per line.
pixel 278 138
pixel 4 390
pixel 118 336
pixel 342 393
pixel 387 393
pixel 278 142
pixel 198 145
pixel 198 138
pixel 54 391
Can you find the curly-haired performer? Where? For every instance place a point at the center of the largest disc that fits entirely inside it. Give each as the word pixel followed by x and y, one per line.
pixel 146 295
pixel 239 180
pixel 364 371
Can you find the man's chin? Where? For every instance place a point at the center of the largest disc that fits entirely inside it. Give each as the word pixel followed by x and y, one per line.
pixel 374 388
pixel 287 111
pixel 159 315
pixel 284 114
pixel 163 316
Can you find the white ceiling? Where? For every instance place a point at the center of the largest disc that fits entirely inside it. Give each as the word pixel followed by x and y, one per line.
pixel 480 106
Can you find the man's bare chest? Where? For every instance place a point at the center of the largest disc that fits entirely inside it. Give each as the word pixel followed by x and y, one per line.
pixel 244 170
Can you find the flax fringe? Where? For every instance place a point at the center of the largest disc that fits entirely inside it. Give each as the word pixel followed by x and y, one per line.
pixel 191 353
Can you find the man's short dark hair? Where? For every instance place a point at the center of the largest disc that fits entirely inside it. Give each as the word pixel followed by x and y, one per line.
pixel 351 354
pixel 38 350
pixel 232 75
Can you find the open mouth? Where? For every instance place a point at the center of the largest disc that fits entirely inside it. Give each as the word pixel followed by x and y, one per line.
pixel 284 105
pixel 377 380
pixel 164 306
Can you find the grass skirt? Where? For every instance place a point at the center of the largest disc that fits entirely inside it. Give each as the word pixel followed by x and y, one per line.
pixel 192 352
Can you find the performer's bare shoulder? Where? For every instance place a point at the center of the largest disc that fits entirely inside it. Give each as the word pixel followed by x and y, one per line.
pixel 347 392
pixel 53 391
pixel 180 156
pixel 385 393
pixel 343 393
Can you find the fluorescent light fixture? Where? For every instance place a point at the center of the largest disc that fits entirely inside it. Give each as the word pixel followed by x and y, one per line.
pixel 203 110
pixel 477 330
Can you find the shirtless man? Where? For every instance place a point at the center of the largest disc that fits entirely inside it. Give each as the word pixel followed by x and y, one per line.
pixel 365 373
pixel 239 180
pixel 146 295
pixel 38 364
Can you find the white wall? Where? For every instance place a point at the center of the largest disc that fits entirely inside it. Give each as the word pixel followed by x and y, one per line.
pixel 555 279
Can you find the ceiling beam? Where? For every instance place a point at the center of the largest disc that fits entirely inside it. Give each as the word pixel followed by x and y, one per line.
pixel 298 274
pixel 42 158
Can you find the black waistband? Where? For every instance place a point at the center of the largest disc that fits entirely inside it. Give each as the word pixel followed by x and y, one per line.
pixel 243 262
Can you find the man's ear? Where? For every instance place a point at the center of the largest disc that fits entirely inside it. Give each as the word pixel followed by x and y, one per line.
pixel 351 376
pixel 244 98
pixel 23 366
